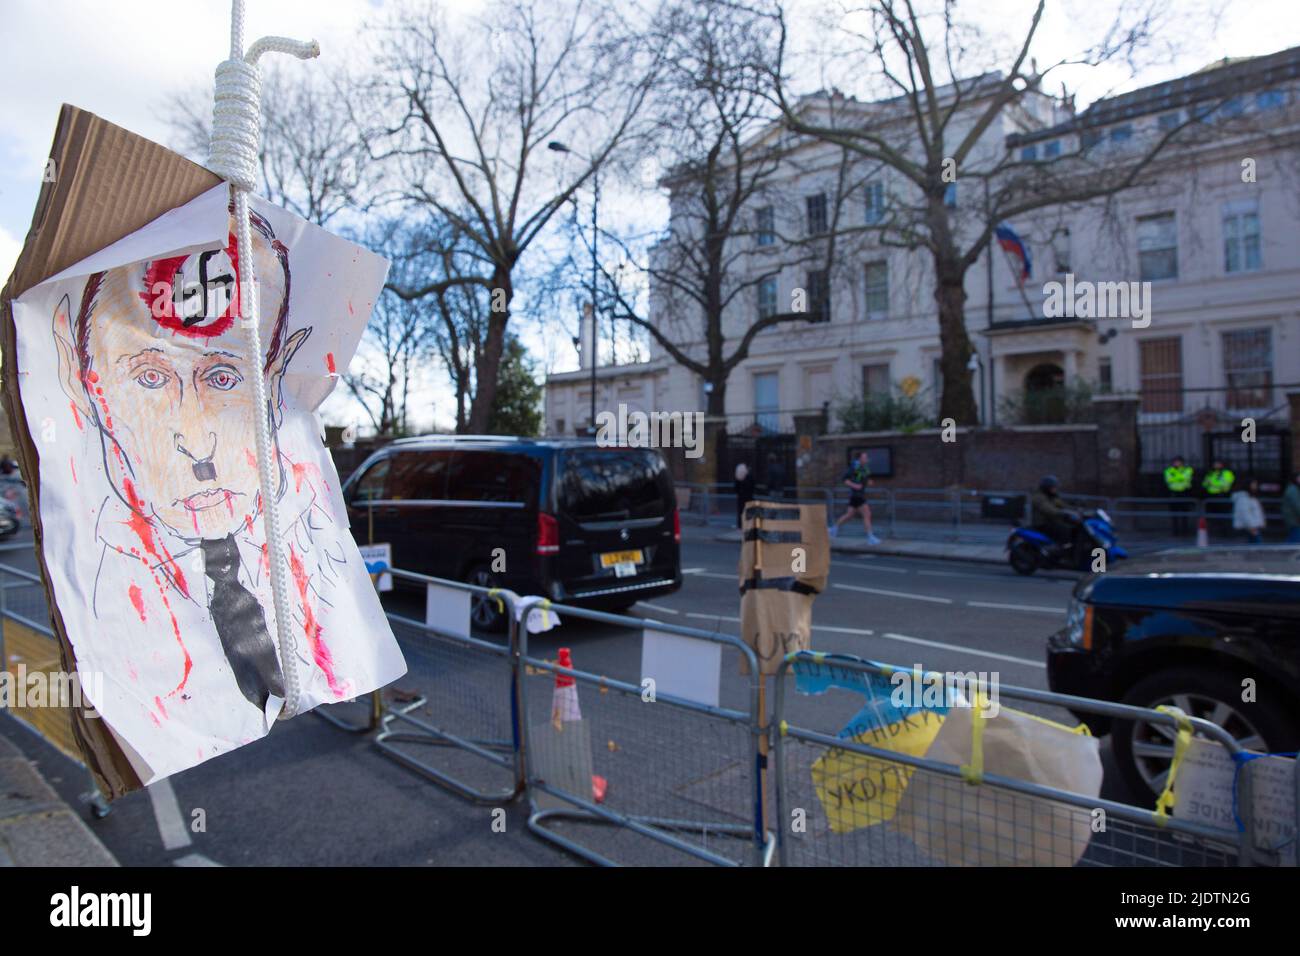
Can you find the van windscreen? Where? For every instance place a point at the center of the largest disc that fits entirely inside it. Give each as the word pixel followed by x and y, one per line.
pixel 614 484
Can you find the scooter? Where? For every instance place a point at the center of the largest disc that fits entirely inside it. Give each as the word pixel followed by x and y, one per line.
pixel 1028 549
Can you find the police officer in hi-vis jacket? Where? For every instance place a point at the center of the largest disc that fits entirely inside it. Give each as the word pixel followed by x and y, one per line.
pixel 1178 483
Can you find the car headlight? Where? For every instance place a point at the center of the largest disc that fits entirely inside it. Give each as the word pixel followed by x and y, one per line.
pixel 1078 624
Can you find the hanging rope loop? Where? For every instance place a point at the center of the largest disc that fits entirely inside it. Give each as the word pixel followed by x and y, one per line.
pixel 233 155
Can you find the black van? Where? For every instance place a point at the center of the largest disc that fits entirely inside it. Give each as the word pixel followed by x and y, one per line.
pixel 576 522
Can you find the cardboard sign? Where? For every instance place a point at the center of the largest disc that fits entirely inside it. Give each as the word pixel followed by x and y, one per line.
pixel 1203 791
pixel 135 398
pixel 379 562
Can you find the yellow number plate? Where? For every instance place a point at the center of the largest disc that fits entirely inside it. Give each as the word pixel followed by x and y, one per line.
pixel 620 557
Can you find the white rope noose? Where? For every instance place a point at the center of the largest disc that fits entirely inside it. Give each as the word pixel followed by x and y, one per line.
pixel 233 155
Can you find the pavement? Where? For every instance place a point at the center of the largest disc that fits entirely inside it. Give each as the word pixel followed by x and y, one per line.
pixel 37 826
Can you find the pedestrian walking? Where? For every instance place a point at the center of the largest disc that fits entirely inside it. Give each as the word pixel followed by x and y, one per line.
pixel 857 478
pixel 1291 509
pixel 744 492
pixel 1248 512
pixel 1178 484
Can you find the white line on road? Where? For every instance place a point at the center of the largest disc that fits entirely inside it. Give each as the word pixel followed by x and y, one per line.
pixel 167 812
pixel 1018 607
pixel 194 859
pixel 693 570
pixel 898 594
pixel 659 607
pixel 712 617
pixel 873 567
pixel 964 650
pixel 711 574
pixel 862 632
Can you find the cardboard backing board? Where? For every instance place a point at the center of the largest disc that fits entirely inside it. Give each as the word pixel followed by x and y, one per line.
pixel 106 183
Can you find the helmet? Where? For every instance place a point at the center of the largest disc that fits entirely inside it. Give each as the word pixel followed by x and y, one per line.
pixel 1049 483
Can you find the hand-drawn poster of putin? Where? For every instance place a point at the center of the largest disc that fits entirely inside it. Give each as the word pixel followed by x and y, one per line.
pixel 137 383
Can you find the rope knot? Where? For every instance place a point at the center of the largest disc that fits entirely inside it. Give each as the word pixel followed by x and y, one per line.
pixel 236 123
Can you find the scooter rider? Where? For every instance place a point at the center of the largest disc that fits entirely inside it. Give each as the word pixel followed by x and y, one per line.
pixel 1052 517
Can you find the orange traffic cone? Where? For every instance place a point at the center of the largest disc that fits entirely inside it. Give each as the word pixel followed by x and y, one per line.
pixel 564 702
pixel 565 710
pixel 1202 534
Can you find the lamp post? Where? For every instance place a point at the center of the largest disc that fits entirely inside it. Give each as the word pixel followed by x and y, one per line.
pixel 559 147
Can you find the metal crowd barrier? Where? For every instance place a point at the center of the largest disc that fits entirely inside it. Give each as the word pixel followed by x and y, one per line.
pixel 681 774
pixel 27 640
pixel 1054 822
pixel 459 695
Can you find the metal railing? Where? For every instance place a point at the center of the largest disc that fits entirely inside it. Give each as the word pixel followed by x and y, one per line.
pixel 937 813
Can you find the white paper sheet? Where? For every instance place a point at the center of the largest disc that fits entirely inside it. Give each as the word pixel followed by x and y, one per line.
pixel 447 609
pixel 137 386
pixel 682 666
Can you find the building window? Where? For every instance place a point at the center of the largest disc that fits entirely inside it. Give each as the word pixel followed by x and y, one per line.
pixel 877 290
pixel 1091 138
pixel 1160 370
pixel 1105 376
pixel 1270 100
pixel 875 379
pixel 559 426
pixel 1231 108
pixel 815 206
pixel 1061 250
pixel 936 382
pixel 766 223
pixel 767 297
pixel 1241 237
pixel 1170 121
pixel 1248 367
pixel 819 295
pixel 1029 154
pixel 950 196
pixel 1052 150
pixel 875 203
pixel 767 401
pixel 1121 134
pixel 1157 247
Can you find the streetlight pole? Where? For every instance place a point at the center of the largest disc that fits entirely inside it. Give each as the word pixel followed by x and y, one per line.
pixel 559 147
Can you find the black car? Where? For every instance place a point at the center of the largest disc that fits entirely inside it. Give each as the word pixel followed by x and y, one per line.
pixel 1187 628
pixel 577 522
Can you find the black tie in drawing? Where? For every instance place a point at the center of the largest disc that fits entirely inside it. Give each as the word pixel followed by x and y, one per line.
pixel 241 625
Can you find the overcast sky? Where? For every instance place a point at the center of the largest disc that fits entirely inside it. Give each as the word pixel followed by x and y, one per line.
pixel 121 59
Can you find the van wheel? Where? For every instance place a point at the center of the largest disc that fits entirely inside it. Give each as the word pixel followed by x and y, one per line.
pixel 1144 751
pixel 485 613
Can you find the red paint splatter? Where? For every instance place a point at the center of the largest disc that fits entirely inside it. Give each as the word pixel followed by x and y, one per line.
pixel 248 523
pixel 329 362
pixel 252 461
pixel 76 415
pixel 161 709
pixel 350 310
pixel 311 627
pixel 144 531
pixel 72 462
pixel 137 600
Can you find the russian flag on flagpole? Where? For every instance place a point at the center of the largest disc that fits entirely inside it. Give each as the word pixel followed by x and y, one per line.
pixel 1013 245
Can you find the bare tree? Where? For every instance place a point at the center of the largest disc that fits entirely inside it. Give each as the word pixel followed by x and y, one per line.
pixel 936 129
pixel 313 159
pixel 732 224
pixel 468 113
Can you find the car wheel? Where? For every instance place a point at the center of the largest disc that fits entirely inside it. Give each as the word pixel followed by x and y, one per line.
pixel 1024 558
pixel 484 612
pixel 1144 751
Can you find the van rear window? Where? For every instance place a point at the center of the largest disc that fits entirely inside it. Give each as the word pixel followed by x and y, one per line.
pixel 615 484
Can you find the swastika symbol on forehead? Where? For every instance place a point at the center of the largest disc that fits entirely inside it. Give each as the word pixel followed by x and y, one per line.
pixel 203 307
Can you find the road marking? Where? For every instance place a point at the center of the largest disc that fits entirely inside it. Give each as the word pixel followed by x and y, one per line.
pixel 710 574
pixel 712 617
pixel 898 594
pixel 167 812
pixel 906 639
pixel 953 574
pixel 844 630
pixel 693 570
pixel 659 607
pixel 875 567
pixel 194 859
pixel 1018 607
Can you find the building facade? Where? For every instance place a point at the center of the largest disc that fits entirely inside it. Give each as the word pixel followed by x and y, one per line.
pixel 1183 290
